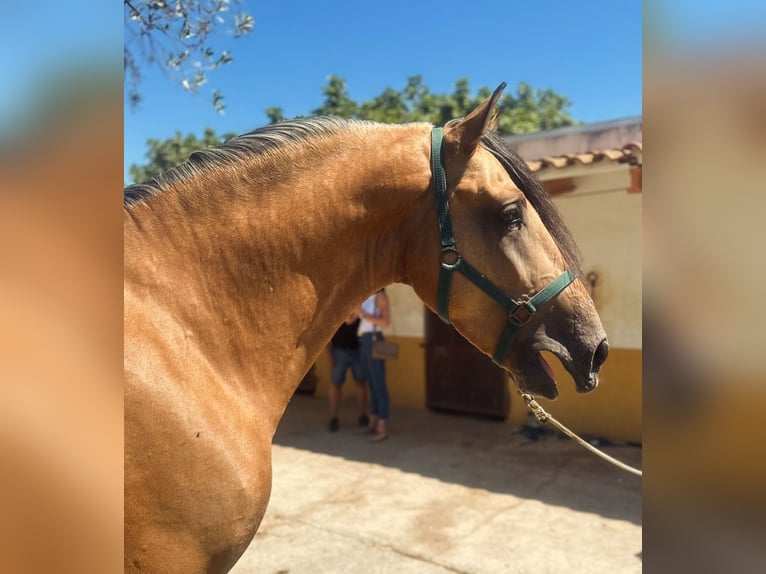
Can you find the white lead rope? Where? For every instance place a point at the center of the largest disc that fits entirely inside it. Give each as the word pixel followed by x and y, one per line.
pixel 544 417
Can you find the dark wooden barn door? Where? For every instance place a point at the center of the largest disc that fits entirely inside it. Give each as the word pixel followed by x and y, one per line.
pixel 458 377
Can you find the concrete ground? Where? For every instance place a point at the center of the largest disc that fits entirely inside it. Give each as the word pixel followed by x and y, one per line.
pixel 444 493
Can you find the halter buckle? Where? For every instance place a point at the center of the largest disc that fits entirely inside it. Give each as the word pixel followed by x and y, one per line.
pixel 522 314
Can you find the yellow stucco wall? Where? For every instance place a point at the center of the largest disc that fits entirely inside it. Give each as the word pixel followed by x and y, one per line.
pixel 605 221
pixel 406 375
pixel 612 411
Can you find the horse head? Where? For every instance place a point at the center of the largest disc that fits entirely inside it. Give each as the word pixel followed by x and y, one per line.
pixel 504 268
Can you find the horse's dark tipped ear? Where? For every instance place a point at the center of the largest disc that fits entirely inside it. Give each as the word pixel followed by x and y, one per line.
pixel 469 130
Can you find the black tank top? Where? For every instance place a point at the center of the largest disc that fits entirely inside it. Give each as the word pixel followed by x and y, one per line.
pixel 345 337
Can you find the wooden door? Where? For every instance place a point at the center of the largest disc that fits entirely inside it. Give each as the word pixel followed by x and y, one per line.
pixel 458 377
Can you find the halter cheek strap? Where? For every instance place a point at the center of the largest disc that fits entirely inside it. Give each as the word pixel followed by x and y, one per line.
pixel 519 312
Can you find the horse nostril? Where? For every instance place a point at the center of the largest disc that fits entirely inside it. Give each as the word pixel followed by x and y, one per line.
pixel 600 355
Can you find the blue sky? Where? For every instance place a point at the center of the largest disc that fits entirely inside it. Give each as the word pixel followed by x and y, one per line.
pixel 588 51
pixel 43 38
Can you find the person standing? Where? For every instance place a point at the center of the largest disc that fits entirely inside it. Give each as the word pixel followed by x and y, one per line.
pixel 344 354
pixel 375 314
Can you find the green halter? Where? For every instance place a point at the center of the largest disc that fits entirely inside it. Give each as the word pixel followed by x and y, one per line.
pixel 519 312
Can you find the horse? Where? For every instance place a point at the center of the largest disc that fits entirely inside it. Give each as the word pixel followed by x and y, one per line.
pixel 241 262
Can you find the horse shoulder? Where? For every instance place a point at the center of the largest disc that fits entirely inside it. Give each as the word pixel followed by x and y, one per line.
pixel 197 456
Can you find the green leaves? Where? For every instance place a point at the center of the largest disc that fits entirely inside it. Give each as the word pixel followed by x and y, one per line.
pixel 527 110
pixel 336 100
pixel 524 111
pixel 275 115
pixel 218 101
pixel 175 36
pixel 164 154
pixel 243 24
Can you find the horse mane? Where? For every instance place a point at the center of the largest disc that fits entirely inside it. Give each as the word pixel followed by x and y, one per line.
pixel 277 136
pixel 533 189
pixel 256 142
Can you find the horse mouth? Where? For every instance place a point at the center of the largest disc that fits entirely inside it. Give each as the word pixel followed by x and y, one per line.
pixel 536 376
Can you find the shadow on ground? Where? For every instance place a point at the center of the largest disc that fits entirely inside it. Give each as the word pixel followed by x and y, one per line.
pixel 475 453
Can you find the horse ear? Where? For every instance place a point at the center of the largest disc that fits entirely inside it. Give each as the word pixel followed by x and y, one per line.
pixel 467 132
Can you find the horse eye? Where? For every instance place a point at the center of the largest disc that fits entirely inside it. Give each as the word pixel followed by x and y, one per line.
pixel 511 217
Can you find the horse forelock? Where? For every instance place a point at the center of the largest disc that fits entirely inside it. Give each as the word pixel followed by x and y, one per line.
pixel 259 142
pixel 533 190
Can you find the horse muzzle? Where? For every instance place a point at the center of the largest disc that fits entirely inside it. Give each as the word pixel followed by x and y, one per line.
pixel 590 382
pixel 582 361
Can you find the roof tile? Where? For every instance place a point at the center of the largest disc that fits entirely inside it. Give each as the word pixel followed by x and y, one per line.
pixel 629 153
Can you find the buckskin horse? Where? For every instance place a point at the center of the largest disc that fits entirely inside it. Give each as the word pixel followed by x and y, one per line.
pixel 242 261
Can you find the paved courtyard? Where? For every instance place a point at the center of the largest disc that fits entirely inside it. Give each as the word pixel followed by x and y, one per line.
pixel 443 494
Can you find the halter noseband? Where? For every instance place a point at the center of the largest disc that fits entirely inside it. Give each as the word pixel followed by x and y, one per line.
pixel 519 312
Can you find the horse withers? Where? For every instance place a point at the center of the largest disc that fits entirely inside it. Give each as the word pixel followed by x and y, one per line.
pixel 241 262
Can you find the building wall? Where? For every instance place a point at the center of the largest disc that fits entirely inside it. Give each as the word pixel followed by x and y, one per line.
pixel 612 411
pixel 578 139
pixel 406 375
pixel 606 223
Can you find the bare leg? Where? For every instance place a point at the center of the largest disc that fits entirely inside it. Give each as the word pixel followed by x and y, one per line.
pixel 372 428
pixel 381 431
pixel 335 396
pixel 361 395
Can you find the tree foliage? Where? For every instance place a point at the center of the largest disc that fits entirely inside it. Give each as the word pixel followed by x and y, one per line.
pixel 524 111
pixel 175 36
pixel 164 154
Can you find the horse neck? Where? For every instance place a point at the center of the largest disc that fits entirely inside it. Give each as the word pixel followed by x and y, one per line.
pixel 268 259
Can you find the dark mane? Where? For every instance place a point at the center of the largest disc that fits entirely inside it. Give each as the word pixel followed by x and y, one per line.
pixel 528 183
pixel 259 141
pixel 276 136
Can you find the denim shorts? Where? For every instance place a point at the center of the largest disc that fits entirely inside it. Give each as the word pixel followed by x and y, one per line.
pixel 345 358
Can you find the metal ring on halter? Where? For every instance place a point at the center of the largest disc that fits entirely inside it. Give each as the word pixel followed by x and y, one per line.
pixel 450 258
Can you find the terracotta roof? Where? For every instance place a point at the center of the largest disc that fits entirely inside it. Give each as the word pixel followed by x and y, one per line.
pixel 629 153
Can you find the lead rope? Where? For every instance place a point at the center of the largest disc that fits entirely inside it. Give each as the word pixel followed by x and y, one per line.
pixel 544 417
